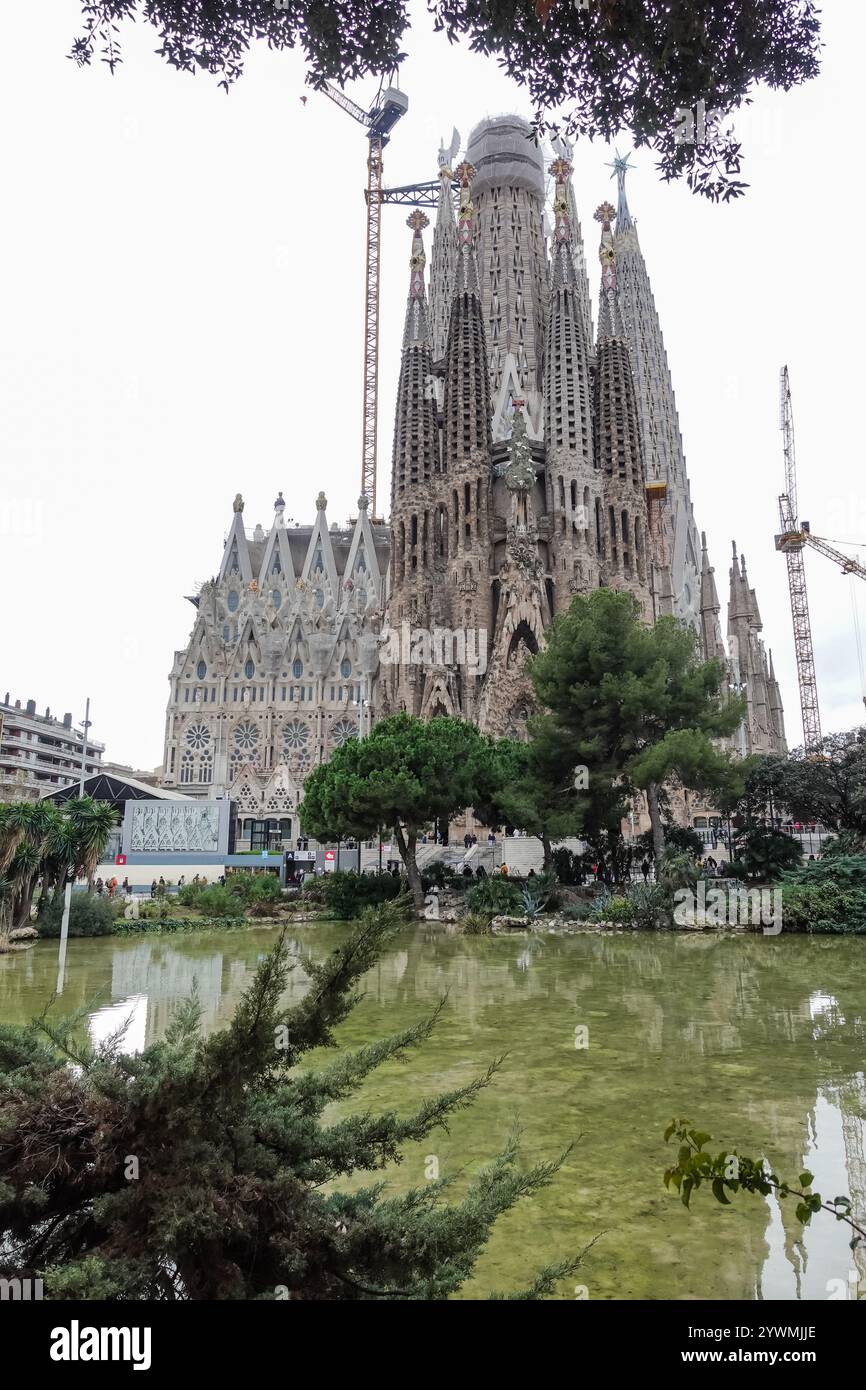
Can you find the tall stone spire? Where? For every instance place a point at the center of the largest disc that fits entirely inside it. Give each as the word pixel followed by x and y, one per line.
pixel 419 520
pixel 660 430
pixel 444 259
pixel 467 389
pixel 563 150
pixel 573 482
pixel 618 439
pixel 711 629
pixel 509 191
pixel 763 726
pixel 415 454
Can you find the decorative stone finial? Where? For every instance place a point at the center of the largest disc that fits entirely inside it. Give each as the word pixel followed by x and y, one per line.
pixel 280 504
pixel 417 220
pixel 321 502
pixel 605 214
pixel 363 502
pixel 238 503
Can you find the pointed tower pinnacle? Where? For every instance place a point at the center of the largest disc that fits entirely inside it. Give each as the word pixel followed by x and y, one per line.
pixel 610 324
pixel 417 326
pixel 415 454
pixel 467 262
pixel 628 559
pixel 573 483
pixel 444 262
pixel 467 382
pixel 621 166
pixel 711 631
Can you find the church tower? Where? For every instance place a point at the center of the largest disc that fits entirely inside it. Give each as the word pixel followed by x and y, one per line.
pixel 659 422
pixel 762 730
pixel 574 504
pixel 508 192
pixel 618 441
pixel 466 443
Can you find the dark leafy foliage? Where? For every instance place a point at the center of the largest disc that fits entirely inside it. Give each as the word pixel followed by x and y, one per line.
pixel 89 915
pixel 493 895
pixel 202 1168
pixel 826 896
pixel 345 894
pixel 613 65
pixel 732 1172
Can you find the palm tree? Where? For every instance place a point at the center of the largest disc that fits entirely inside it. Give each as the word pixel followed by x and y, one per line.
pixel 41 839
pixel 15 818
pixel 93 822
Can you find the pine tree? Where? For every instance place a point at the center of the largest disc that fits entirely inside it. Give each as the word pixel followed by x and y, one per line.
pixel 633 702
pixel 202 1168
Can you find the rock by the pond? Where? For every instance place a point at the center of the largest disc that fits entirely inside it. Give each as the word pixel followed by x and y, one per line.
pixel 505 923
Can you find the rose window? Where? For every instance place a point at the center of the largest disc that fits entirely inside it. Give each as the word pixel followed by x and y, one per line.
pixel 198 736
pixel 246 736
pixel 296 734
pixel 342 731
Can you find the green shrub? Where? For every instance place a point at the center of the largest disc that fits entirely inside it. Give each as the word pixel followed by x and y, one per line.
pixel 189 894
pixel 676 870
pixel 826 896
pixel 579 911
pixel 768 853
pixel 157 908
pixel 345 892
pixel 88 916
pixel 494 895
pixel 849 869
pixel 437 875
pixel 216 901
pixel 615 907
pixel 475 924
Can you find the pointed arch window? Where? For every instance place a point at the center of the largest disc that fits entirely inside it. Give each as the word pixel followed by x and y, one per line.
pixel 276 598
pixel 233 600
pixel 249 668
pixel 276 562
pixel 201 670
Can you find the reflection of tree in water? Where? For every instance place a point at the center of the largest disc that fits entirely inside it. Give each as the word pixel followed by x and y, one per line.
pixel 750 1036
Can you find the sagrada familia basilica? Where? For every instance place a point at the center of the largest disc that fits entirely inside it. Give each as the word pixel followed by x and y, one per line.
pixel 534 459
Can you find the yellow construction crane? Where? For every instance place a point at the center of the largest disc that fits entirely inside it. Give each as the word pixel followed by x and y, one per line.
pixel 390 105
pixel 793 538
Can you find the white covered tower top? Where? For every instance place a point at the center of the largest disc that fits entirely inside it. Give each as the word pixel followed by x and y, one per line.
pixel 502 150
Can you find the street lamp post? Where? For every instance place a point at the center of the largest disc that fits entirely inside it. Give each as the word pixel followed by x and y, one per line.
pixel 67 892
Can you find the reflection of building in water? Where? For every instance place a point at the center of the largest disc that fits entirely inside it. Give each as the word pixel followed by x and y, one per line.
pixel 852 1102
pixel 166 977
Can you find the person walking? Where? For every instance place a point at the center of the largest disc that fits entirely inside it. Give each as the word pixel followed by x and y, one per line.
pixel 645 868
pixel 153 888
pixel 125 887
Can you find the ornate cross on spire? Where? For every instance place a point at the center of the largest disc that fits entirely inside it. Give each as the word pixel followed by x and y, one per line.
pixel 464 172
pixel 417 220
pixel 605 214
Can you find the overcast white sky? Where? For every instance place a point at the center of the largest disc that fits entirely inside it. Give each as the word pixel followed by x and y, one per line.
pixel 182 277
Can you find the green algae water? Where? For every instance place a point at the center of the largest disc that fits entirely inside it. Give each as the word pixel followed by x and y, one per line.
pixel 758 1040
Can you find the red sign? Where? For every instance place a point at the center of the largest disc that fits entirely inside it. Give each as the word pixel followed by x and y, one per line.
pixel 120 859
pixel 329 855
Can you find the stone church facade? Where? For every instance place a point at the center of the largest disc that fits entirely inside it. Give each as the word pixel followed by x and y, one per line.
pixel 533 459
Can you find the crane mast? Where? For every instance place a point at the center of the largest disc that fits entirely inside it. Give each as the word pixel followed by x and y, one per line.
pixel 792 542
pixel 378 122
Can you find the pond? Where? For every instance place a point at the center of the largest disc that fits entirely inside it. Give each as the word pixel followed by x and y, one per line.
pixel 758 1040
